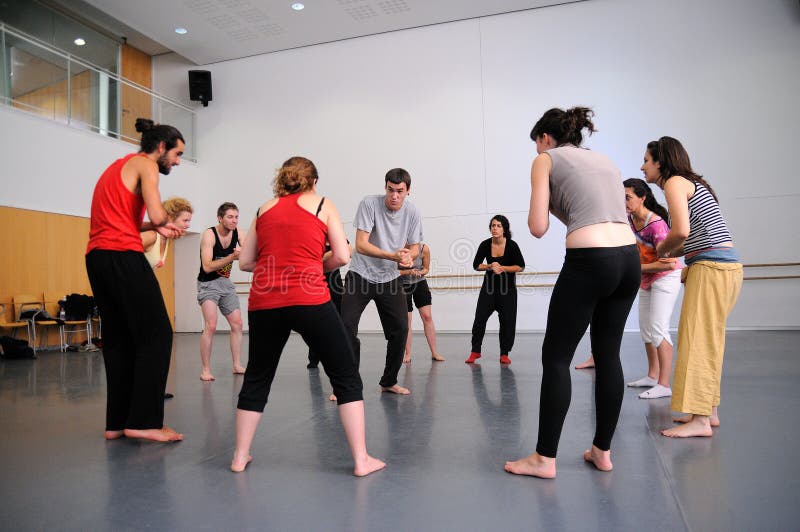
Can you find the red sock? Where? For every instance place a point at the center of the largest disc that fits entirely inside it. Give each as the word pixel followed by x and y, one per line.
pixel 473 356
pixel 505 360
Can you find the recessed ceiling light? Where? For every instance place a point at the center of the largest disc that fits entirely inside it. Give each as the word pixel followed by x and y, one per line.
pixel 181 31
pixel 297 6
pixel 79 41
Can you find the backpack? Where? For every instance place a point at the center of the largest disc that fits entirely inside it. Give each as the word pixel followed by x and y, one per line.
pixel 78 307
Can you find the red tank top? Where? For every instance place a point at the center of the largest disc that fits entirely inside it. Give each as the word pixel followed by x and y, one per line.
pixel 288 272
pixel 117 213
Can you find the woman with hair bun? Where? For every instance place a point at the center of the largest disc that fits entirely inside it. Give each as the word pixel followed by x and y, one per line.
pixel 713 279
pixel 597 284
pixel 658 291
pixel 501 259
pixel 288 292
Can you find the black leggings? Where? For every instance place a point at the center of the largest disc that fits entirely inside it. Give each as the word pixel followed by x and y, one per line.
pixel 321 328
pixel 505 303
pixel 597 286
pixel 137 338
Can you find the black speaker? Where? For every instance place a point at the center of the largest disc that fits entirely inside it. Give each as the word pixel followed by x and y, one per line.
pixel 200 86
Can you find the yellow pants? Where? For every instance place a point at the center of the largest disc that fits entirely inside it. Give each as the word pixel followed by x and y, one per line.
pixel 710 293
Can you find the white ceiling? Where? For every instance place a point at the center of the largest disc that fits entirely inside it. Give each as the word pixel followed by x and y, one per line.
pixel 221 30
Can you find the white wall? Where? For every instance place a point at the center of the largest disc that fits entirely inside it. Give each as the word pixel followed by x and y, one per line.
pixel 51 167
pixel 454 104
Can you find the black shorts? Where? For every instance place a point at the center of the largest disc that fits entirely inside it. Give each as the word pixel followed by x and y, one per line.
pixel 419 292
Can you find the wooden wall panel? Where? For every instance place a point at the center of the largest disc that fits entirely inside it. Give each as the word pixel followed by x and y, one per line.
pixel 137 67
pixel 44 252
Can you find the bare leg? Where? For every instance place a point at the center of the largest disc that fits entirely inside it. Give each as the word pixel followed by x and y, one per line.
pixel 600 459
pixel 653 363
pixel 235 321
pixel 534 465
pixel 586 364
pixel 714 420
pixel 664 353
pixel 352 416
pixel 209 309
pixel 114 434
pixel 164 434
pixel 246 425
pixel 430 331
pixel 407 357
pixel 697 426
pixel 396 389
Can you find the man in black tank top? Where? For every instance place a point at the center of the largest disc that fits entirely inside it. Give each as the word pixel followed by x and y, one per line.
pixel 219 248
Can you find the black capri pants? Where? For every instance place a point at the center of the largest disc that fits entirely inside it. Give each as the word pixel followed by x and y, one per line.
pixel 321 328
pixel 597 286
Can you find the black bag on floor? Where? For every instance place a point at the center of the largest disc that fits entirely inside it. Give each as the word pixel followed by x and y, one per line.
pixel 11 348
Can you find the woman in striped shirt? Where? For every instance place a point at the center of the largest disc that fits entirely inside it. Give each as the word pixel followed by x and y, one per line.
pixel 713 278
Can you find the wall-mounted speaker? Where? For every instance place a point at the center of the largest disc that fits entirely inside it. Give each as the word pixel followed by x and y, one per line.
pixel 200 86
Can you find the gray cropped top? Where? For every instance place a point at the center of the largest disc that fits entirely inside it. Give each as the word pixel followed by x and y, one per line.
pixel 585 188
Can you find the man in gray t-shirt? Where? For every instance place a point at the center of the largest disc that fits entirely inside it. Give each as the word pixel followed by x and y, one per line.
pixel 388 233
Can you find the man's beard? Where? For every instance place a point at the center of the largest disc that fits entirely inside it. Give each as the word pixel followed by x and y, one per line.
pixel 163 165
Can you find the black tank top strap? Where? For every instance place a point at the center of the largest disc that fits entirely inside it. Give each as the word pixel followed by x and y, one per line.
pixel 319 207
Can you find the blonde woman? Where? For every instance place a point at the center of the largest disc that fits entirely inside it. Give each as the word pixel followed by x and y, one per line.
pixel 179 212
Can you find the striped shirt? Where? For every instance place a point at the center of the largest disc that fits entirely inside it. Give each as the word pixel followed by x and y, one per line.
pixel 707 228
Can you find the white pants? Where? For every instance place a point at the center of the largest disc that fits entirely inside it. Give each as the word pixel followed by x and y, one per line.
pixel 655 308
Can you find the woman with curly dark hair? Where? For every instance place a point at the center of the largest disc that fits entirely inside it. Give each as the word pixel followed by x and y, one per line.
pixel 596 285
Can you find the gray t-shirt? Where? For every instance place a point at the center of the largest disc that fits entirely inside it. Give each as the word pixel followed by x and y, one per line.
pixel 585 188
pixel 388 230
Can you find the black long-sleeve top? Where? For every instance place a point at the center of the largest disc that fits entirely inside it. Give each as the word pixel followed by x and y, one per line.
pixel 499 282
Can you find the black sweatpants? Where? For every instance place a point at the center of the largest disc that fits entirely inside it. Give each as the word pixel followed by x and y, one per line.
pixel 597 286
pixel 390 300
pixel 321 328
pixel 137 338
pixel 505 303
pixel 336 287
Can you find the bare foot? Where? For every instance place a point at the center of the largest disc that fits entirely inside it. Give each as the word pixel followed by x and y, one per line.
pixel 207 376
pixel 396 389
pixel 586 364
pixel 698 426
pixel 237 465
pixel 237 370
pixel 368 465
pixel 164 434
pixel 407 358
pixel 599 458
pixel 437 357
pixel 687 418
pixel 332 397
pixel 114 434
pixel 534 465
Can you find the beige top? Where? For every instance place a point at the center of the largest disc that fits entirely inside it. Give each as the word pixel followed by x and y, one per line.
pixel 585 188
pixel 153 257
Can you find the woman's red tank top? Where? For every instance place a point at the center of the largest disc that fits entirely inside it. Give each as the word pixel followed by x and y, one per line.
pixel 288 272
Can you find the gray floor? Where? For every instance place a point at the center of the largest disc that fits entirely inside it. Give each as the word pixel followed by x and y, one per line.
pixel 445 446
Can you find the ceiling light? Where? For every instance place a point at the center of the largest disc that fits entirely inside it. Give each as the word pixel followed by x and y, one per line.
pixel 79 41
pixel 181 30
pixel 297 6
